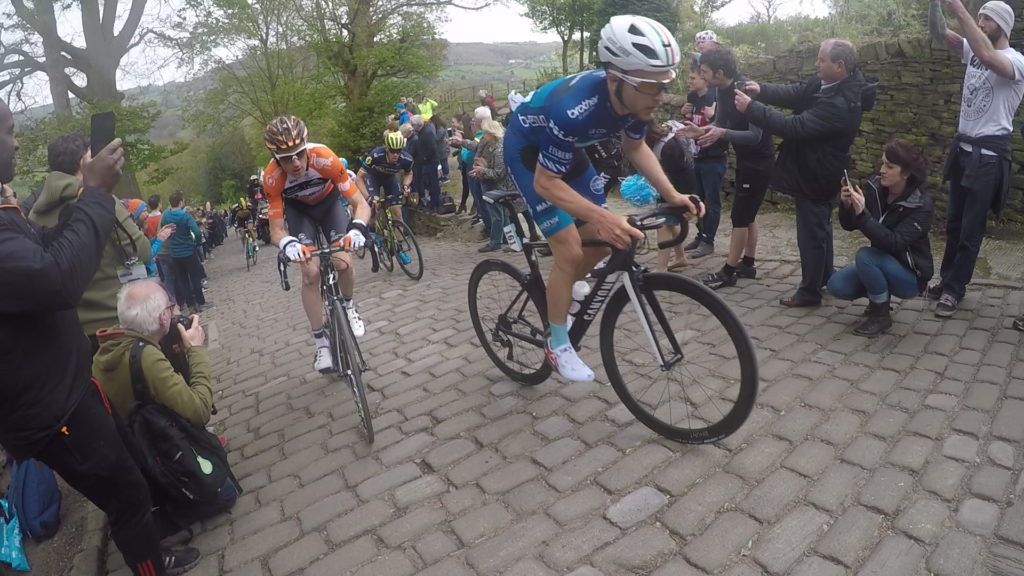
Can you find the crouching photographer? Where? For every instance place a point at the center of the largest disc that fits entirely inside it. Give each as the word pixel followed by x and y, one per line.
pixel 155 370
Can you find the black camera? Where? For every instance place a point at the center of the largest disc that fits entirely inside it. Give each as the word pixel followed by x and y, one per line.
pixel 740 85
pixel 185 321
pixel 172 348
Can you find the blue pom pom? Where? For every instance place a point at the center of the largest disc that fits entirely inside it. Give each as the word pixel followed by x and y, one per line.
pixel 637 191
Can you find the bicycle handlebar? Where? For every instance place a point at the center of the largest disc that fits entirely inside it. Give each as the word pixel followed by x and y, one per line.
pixel 283 261
pixel 654 219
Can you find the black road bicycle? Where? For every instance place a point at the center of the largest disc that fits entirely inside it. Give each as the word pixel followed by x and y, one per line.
pixel 675 353
pixel 349 364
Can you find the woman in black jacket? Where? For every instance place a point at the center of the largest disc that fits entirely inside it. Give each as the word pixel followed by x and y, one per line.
pixel 895 213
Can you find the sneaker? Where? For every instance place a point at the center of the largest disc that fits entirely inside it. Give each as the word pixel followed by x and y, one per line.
pixel 567 363
pixel 204 306
pixel 947 306
pixel 691 245
pixel 719 279
pixel 322 362
pixel 488 248
pixel 744 271
pixel 358 328
pixel 934 291
pixel 703 249
pixel 179 561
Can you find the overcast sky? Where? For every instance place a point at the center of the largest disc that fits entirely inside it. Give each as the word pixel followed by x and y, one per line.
pixel 507 24
pixel 496 24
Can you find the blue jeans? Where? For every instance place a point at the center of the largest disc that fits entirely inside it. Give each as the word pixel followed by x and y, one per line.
pixel 478 202
pixel 167 276
pixel 875 274
pixel 814 240
pixel 966 218
pixel 709 188
pixel 499 219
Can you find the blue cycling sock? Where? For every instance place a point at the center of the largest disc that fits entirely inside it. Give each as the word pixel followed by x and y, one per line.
pixel 559 335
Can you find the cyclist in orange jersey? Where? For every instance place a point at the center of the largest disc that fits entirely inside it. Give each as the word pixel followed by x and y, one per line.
pixel 302 183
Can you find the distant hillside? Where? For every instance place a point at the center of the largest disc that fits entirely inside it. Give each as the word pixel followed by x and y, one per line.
pixel 467 66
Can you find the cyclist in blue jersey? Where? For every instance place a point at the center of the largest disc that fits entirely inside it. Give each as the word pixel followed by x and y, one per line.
pixel 380 169
pixel 544 153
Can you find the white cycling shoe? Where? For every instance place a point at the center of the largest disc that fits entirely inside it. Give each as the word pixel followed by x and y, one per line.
pixel 355 321
pixel 567 363
pixel 322 362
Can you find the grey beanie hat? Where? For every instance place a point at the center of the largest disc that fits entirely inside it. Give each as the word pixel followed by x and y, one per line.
pixel 1001 13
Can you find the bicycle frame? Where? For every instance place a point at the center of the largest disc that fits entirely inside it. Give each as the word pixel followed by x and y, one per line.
pixel 621 265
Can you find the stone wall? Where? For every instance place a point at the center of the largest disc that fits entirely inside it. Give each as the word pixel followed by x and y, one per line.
pixel 918 100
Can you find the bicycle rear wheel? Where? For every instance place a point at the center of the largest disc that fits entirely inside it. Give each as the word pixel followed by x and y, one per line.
pixel 706 388
pixel 350 367
pixel 509 316
pixel 405 243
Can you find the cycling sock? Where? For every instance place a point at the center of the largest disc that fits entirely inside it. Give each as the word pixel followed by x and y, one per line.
pixel 559 335
pixel 320 339
pixel 748 261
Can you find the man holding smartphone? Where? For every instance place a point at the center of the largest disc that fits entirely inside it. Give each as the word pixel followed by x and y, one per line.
pixel 52 411
pixel 815 150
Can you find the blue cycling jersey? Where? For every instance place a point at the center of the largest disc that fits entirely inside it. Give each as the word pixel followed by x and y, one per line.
pixel 376 163
pixel 567 114
pixel 551 127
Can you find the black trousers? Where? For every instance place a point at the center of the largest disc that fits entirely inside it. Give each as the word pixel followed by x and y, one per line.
pixel 188 280
pixel 90 456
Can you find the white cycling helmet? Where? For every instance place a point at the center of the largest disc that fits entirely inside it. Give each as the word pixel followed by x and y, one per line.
pixel 638 43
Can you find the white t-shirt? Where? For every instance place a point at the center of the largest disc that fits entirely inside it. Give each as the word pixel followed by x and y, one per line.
pixel 989 100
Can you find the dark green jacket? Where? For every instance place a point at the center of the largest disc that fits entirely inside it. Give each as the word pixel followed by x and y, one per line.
pixel 193 400
pixel 98 307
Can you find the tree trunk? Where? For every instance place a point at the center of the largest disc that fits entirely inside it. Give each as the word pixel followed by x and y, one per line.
pixel 582 48
pixel 565 54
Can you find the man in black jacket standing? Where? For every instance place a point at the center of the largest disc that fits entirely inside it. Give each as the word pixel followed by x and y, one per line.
pixel 814 153
pixel 427 160
pixel 51 410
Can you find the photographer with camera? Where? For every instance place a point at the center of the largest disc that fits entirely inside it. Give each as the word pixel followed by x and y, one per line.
pixel 144 311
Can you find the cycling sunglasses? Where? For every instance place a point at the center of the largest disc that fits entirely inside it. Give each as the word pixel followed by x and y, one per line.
pixel 290 157
pixel 646 86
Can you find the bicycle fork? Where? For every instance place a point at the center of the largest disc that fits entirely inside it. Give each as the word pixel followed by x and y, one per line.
pixel 631 284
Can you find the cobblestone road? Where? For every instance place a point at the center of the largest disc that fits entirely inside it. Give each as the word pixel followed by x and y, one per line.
pixel 893 456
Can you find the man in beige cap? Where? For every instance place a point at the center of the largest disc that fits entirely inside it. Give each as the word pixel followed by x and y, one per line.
pixel 978 165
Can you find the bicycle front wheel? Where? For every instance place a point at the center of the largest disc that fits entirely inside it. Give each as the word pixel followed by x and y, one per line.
pixel 407 251
pixel 509 316
pixel 248 254
pixel 701 384
pixel 255 252
pixel 385 250
pixel 350 367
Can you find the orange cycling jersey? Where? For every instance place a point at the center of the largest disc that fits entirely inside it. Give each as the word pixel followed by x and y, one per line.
pixel 324 174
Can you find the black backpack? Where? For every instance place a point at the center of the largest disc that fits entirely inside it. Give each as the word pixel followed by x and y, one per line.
pixel 185 464
pixel 447 204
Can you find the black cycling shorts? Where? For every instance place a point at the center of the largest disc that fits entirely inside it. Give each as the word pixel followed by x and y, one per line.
pixel 386 187
pixel 751 185
pixel 305 221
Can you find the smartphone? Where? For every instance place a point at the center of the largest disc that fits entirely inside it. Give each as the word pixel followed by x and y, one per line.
pixel 846 178
pixel 101 131
pixel 450 132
